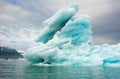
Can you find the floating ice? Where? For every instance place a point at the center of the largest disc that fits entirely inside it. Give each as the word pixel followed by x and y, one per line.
pixel 66 40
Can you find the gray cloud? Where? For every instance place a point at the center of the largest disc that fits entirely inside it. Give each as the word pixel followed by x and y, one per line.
pixel 108 24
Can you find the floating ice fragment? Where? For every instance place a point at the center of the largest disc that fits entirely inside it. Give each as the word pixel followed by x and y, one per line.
pixel 66 40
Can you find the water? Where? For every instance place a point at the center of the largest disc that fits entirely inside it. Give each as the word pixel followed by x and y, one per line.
pixel 21 69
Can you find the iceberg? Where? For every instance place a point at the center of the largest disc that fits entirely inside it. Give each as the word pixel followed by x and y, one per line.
pixel 67 40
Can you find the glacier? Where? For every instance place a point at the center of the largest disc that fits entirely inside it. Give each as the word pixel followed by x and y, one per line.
pixel 67 40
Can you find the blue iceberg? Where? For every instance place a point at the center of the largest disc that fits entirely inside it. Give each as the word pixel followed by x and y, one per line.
pixel 66 40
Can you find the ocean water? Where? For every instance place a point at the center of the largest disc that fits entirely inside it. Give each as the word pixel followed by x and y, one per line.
pixel 21 69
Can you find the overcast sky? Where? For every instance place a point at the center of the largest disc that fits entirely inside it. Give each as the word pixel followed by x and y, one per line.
pixel 21 20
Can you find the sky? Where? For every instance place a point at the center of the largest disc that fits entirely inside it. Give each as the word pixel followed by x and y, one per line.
pixel 21 21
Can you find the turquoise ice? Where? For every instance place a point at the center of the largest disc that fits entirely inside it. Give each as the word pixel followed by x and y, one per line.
pixel 56 22
pixel 66 40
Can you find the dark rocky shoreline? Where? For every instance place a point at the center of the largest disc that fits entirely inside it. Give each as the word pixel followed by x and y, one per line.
pixel 9 53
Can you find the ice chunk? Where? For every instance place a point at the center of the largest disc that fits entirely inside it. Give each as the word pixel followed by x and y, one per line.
pixel 111 61
pixel 66 40
pixel 56 22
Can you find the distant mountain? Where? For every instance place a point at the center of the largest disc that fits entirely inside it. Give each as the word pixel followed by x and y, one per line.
pixel 9 53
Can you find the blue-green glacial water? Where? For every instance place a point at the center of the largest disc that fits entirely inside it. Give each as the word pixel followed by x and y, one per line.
pixel 21 69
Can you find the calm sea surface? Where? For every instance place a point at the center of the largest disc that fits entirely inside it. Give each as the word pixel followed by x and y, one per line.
pixel 21 69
